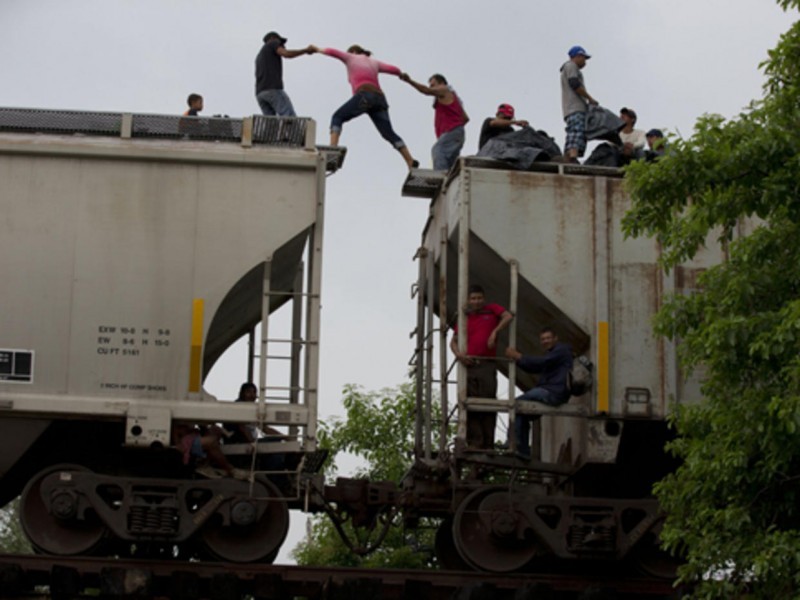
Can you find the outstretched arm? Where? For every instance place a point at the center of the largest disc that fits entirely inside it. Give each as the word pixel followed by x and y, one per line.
pixel 293 53
pixel 422 89
pixel 507 122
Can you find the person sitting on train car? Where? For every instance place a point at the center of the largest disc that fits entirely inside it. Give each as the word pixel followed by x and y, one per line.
pixel 249 433
pixel 484 322
pixel 552 387
pixel 500 124
pixel 203 446
pixel 657 145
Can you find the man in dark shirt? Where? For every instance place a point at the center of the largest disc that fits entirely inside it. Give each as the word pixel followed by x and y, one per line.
pixel 269 75
pixel 552 387
pixel 501 123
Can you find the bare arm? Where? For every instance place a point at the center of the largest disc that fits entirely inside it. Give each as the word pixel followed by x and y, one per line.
pixel 580 89
pixel 422 89
pixel 513 353
pixel 462 358
pixel 293 53
pixel 507 122
pixel 505 319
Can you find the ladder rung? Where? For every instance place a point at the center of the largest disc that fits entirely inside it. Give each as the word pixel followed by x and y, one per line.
pixel 279 293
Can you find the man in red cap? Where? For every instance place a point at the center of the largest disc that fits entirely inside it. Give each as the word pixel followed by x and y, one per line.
pixel 501 123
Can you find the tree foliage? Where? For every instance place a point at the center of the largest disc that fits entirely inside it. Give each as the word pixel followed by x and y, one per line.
pixel 379 428
pixel 734 504
pixel 12 538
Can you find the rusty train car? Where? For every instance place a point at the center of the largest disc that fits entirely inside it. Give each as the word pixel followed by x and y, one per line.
pixel 136 249
pixel 547 244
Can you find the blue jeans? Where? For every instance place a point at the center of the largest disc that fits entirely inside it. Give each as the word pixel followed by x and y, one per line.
pixel 447 148
pixel 522 423
pixel 374 104
pixel 275 102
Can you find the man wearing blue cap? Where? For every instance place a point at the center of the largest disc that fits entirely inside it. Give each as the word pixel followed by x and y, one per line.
pixel 574 102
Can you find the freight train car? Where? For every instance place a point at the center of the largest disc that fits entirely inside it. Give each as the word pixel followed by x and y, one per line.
pixel 134 250
pixel 548 245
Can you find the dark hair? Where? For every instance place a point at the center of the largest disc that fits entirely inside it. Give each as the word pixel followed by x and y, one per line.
pixel 356 49
pixel 475 289
pixel 193 98
pixel 630 113
pixel 249 385
pixel 547 329
pixel 438 77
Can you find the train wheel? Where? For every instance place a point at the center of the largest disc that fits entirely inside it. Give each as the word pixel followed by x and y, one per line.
pixel 64 535
pixel 445 549
pixel 491 534
pixel 246 540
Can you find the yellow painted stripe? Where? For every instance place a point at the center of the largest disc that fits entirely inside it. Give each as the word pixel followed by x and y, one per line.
pixel 602 366
pixel 196 358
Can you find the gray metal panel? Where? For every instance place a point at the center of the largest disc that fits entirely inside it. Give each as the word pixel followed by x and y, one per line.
pixel 104 245
pixel 557 222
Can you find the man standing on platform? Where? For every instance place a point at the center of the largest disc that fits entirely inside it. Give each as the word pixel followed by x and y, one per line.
pixel 271 97
pixel 574 102
pixel 484 322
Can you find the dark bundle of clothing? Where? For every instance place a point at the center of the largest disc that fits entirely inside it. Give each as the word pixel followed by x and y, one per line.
pixel 606 155
pixel 603 124
pixel 521 148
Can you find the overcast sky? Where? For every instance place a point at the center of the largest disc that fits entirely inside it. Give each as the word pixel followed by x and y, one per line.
pixel 670 60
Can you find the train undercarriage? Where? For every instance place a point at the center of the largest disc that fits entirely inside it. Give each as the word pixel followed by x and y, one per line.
pixel 494 511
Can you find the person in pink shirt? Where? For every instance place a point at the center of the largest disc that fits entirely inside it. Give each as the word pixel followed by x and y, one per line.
pixel 362 72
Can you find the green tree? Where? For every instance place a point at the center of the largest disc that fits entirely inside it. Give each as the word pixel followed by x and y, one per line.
pixel 379 428
pixel 734 504
pixel 12 538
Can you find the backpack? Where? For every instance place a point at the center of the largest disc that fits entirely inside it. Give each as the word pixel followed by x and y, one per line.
pixel 579 380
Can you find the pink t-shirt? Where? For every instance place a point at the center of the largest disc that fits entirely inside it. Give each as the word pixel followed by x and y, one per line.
pixel 361 69
pixel 480 325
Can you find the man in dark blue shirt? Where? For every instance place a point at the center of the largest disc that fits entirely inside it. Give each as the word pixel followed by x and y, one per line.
pixel 270 95
pixel 552 387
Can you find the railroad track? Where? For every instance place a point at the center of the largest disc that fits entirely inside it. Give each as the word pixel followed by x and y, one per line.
pixel 65 577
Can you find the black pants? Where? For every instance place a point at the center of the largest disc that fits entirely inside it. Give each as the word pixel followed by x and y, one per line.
pixel 481 383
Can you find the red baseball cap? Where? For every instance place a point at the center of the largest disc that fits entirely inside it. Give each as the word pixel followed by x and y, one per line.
pixel 506 110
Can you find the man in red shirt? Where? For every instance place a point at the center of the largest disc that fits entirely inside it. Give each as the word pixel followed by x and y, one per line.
pixel 449 119
pixel 484 321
